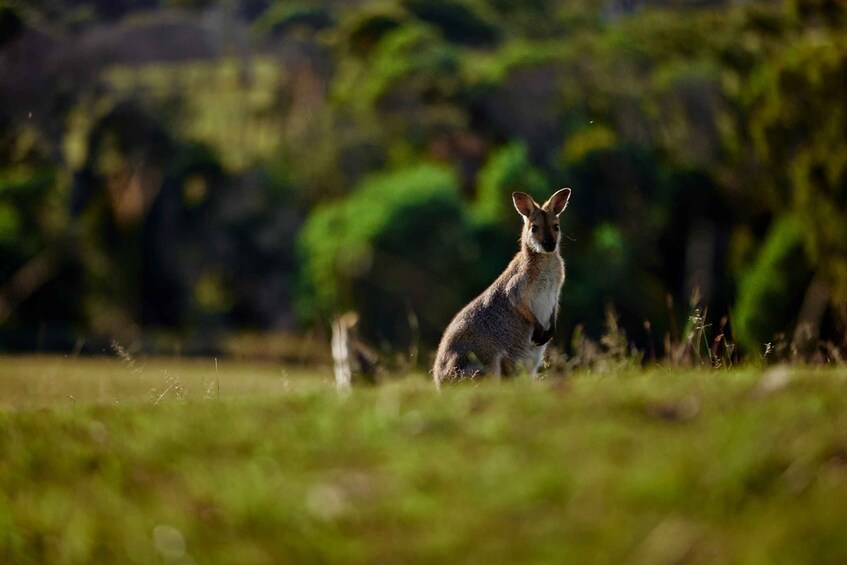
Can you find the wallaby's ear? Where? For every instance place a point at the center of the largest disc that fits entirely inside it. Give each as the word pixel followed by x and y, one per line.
pixel 523 203
pixel 559 201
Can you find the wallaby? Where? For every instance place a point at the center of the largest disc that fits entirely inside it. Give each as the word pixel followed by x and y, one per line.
pixel 507 327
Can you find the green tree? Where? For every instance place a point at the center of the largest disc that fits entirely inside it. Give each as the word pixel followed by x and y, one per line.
pixel 796 131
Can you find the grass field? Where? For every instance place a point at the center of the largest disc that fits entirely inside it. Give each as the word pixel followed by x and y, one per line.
pixel 103 460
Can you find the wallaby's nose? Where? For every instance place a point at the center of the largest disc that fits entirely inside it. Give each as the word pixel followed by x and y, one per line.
pixel 549 245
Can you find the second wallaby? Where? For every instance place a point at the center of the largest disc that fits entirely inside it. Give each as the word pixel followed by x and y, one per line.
pixel 506 328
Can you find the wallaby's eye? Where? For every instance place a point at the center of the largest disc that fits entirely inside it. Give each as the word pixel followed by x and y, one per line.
pixel 555 227
pixel 534 228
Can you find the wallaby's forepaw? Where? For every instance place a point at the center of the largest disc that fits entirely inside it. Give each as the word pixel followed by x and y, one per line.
pixel 541 336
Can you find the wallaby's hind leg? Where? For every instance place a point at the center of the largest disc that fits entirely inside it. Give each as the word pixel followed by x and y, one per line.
pixel 502 366
pixel 471 366
pixel 460 368
pixel 507 366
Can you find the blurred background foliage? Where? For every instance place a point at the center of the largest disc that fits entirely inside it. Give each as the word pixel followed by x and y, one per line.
pixel 175 170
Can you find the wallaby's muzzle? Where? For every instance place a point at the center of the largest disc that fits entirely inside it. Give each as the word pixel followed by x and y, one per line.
pixel 549 245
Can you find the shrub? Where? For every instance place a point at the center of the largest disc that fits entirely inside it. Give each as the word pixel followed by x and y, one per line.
pixel 507 170
pixel 496 221
pixel 400 244
pixel 771 291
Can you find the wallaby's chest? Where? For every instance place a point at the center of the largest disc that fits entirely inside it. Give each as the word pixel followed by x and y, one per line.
pixel 544 292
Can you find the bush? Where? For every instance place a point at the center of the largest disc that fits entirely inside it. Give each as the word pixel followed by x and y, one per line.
pixel 497 223
pixel 771 291
pixel 507 171
pixel 400 245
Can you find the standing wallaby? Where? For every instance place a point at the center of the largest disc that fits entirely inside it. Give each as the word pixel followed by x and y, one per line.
pixel 507 327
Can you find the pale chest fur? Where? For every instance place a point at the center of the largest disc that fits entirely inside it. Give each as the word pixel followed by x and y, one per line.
pixel 544 289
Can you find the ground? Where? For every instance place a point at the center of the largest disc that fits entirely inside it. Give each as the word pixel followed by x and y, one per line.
pixel 185 461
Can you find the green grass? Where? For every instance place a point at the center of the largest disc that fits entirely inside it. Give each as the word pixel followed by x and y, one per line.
pixel 658 467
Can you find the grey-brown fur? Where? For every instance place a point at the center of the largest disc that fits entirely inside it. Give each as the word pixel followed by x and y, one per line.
pixel 499 332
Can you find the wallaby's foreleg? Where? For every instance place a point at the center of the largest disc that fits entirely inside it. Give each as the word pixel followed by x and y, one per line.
pixel 540 336
pixel 525 312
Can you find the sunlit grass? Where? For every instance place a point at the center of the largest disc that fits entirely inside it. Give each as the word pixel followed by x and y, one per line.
pixel 656 467
pixel 54 381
